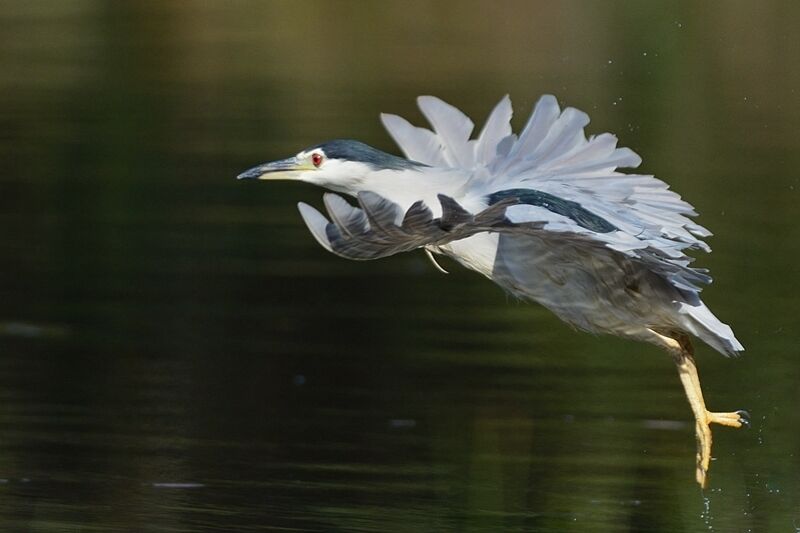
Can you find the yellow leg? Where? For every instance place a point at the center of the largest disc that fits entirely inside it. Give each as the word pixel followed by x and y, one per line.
pixel 682 352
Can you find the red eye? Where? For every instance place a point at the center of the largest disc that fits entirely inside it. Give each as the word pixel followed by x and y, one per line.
pixel 316 159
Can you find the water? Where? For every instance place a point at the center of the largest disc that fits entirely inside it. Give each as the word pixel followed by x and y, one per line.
pixel 177 353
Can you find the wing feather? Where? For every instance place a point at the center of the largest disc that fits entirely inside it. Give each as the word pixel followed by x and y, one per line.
pixel 419 144
pixel 497 128
pixel 565 135
pixel 538 126
pixel 317 224
pixel 453 129
pixel 351 220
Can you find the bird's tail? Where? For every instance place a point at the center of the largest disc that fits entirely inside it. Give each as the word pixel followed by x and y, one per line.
pixel 702 323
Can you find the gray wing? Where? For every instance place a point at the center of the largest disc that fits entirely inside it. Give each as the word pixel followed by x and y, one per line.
pixel 378 227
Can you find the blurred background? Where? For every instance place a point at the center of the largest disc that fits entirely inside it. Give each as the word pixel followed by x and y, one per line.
pixel 178 354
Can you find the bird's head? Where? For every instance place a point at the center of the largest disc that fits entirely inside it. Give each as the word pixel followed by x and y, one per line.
pixel 340 165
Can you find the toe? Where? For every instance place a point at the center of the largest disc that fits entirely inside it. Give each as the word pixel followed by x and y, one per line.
pixel 734 419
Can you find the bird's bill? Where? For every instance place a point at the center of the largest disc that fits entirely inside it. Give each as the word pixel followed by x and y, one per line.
pixel 284 169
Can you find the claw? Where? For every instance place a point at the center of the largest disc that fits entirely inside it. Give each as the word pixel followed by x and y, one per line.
pixel 744 417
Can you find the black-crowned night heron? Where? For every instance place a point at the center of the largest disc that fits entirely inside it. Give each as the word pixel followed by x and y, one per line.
pixel 545 215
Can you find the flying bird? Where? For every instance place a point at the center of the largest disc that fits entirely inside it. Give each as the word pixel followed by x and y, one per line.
pixel 544 214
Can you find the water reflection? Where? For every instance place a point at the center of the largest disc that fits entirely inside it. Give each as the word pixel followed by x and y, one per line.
pixel 178 354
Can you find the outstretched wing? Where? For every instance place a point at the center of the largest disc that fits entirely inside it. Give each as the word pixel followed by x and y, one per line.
pixel 379 229
pixel 553 156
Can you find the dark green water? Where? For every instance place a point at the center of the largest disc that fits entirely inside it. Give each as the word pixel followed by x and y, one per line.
pixel 177 353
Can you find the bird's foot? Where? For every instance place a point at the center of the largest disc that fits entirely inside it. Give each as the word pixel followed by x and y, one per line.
pixel 734 419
